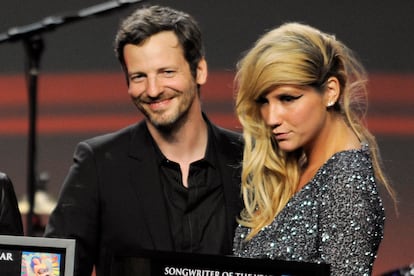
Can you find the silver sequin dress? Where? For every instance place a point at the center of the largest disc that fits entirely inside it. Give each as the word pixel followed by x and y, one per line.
pixel 337 218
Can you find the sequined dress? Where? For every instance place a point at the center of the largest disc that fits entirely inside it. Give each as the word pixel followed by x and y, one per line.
pixel 337 218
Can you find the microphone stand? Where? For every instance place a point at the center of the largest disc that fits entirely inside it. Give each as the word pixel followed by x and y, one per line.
pixel 34 46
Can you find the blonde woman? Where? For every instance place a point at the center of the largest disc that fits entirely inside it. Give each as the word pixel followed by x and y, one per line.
pixel 310 167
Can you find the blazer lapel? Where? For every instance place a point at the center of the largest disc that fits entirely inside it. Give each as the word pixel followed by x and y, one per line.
pixel 229 157
pixel 145 180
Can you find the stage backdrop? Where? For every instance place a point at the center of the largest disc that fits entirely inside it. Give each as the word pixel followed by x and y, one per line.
pixel 82 92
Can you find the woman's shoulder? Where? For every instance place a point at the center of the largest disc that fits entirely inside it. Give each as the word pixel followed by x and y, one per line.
pixel 349 169
pixel 348 161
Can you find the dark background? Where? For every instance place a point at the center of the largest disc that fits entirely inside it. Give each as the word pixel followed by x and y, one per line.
pixel 380 32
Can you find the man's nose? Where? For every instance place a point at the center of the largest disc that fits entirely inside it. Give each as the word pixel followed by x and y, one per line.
pixel 154 88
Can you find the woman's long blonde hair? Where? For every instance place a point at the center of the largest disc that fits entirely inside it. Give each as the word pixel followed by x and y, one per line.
pixel 296 54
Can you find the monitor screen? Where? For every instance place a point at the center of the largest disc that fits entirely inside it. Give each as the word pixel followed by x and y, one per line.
pixel 35 256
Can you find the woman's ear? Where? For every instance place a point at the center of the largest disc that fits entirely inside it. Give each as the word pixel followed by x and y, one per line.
pixel 202 72
pixel 332 92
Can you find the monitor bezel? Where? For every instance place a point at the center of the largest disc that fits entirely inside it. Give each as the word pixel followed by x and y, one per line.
pixel 42 244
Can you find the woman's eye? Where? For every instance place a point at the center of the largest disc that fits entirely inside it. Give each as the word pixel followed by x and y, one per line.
pixel 289 98
pixel 261 100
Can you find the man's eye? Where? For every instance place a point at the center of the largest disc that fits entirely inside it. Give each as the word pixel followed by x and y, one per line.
pixel 169 73
pixel 136 78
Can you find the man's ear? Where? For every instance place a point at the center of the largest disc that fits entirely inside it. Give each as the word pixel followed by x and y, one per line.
pixel 202 72
pixel 332 91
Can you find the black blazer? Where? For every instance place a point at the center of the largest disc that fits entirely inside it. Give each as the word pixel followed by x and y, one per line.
pixel 111 200
pixel 10 219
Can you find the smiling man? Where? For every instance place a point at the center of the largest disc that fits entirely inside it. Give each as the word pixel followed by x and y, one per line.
pixel 170 182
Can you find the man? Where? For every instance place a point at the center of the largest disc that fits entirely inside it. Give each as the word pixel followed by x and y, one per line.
pixel 170 182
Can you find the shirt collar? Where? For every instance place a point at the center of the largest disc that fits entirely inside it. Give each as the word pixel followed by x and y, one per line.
pixel 209 156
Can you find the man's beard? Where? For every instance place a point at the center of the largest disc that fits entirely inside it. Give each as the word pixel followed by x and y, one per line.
pixel 167 125
pixel 172 125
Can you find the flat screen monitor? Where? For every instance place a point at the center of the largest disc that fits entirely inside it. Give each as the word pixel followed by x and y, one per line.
pixel 30 256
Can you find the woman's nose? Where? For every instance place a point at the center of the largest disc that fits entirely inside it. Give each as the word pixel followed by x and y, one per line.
pixel 271 115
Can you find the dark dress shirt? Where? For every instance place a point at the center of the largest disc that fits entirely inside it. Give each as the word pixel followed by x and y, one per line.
pixel 197 212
